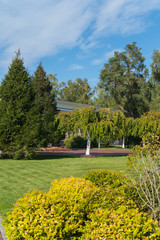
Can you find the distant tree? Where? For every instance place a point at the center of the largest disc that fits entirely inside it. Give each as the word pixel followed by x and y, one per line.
pixel 103 98
pixel 155 81
pixel 56 86
pixel 124 79
pixel 44 104
pixel 78 91
pixel 15 104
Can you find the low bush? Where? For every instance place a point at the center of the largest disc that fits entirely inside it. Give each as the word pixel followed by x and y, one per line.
pixel 122 223
pixel 75 208
pixel 75 142
pixel 115 180
pixel 59 214
pixel 105 178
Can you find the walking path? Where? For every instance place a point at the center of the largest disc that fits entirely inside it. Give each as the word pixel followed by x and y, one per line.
pixel 81 152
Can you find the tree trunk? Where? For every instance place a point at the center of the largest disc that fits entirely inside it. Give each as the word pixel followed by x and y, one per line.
pixel 88 145
pixel 123 144
pixel 99 142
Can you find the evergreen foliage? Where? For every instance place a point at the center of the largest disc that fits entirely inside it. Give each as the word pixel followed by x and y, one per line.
pixel 124 79
pixel 15 104
pixel 44 105
pixel 155 81
pixel 27 110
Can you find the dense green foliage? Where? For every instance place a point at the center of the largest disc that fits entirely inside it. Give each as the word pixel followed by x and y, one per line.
pixel 94 124
pixel 27 109
pixel 78 91
pixel 147 124
pixel 45 105
pixel 15 104
pixel 155 81
pixel 122 223
pixel 105 178
pixel 74 208
pixel 75 142
pixel 124 79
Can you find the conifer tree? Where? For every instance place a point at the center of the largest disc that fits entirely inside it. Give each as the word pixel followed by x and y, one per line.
pixel 45 105
pixel 123 77
pixel 15 95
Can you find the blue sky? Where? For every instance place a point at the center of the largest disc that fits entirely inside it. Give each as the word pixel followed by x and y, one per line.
pixel 74 38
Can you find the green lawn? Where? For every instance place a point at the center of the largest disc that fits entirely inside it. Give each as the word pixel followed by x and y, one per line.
pixel 19 176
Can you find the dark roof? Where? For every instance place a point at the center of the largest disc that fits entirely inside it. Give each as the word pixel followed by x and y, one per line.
pixel 70 106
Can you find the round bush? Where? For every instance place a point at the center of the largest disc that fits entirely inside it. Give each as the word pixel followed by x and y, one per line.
pixel 59 214
pixel 115 180
pixel 75 142
pixel 74 208
pixel 105 178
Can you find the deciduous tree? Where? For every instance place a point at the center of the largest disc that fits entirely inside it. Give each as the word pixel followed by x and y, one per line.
pixel 78 91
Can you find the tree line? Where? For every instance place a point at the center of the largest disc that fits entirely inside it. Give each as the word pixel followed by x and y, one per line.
pixel 27 110
pixel 28 105
pixel 124 83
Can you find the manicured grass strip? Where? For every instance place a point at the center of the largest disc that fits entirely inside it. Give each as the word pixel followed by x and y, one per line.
pixel 19 176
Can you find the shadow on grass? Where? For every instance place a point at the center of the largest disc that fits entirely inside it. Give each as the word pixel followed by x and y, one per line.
pixel 54 157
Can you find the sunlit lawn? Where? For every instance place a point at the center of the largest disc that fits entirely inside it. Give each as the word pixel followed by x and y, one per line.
pixel 17 177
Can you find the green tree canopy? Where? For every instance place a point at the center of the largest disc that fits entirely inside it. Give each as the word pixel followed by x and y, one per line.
pixel 124 79
pixel 147 124
pixel 95 124
pixel 155 81
pixel 78 91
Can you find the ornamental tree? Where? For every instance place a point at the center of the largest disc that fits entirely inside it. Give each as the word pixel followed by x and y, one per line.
pixel 94 124
pixel 148 123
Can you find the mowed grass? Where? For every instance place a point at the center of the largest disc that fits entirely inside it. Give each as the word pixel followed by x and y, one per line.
pixel 20 176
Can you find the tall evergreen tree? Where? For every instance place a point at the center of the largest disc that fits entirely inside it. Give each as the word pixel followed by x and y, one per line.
pixel 45 105
pixel 15 103
pixel 124 79
pixel 155 81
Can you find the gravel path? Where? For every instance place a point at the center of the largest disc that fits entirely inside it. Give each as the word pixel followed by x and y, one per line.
pixel 2 234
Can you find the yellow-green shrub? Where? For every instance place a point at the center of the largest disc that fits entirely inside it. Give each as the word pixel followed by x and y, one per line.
pixel 123 223
pixel 105 178
pixel 25 221
pixel 59 214
pixel 74 208
pixel 117 183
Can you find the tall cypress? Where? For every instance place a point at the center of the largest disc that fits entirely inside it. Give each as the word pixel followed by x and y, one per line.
pixel 45 105
pixel 15 103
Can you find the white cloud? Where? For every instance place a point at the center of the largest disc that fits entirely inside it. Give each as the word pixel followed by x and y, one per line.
pixel 75 67
pixel 106 56
pixel 123 16
pixel 42 27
